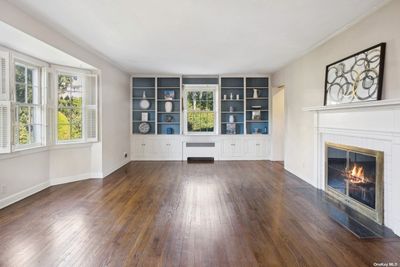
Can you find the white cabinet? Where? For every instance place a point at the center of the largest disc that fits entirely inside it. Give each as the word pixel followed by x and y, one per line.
pixel 141 148
pixel 170 147
pixel 256 149
pixel 232 148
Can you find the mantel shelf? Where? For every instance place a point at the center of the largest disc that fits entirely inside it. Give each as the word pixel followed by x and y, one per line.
pixel 380 103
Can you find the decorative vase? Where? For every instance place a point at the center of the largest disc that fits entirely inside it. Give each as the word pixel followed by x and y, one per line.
pixel 231 109
pixel 168 106
pixel 231 119
pixel 144 103
pixel 231 96
pixel 255 93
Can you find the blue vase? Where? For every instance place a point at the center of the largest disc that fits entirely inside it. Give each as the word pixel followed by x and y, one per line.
pixel 170 130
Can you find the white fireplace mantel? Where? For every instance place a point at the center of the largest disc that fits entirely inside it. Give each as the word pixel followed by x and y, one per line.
pixel 369 104
pixel 372 125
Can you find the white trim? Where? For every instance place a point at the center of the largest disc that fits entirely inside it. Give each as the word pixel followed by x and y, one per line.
pixel 23 194
pixel 105 173
pixel 39 149
pixel 379 103
pixel 70 179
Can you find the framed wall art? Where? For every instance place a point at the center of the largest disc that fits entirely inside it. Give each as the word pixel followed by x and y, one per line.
pixel 356 78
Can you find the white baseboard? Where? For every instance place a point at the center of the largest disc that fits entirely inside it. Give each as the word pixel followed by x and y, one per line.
pixel 23 194
pixel 113 169
pixel 70 179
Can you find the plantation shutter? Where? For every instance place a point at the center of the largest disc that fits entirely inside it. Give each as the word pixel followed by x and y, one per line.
pixel 5 104
pixel 91 110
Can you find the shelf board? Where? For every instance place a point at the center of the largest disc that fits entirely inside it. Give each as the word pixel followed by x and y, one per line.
pixel 258 98
pixel 168 123
pixel 256 121
pixel 256 87
pixel 168 87
pixel 237 122
pixel 144 121
pixel 141 98
pixel 164 100
pixel 227 100
pixel 233 112
pixel 143 87
pixel 163 112
pixel 262 110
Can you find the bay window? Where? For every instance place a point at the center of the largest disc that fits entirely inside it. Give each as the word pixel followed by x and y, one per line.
pixel 43 105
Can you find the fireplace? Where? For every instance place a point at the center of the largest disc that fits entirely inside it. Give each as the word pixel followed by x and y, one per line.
pixel 354 176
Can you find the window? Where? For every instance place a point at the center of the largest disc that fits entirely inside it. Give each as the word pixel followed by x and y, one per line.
pixel 28 106
pixel 76 107
pixel 69 115
pixel 43 105
pixel 200 108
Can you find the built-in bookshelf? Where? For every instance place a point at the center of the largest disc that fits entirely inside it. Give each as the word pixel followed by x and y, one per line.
pixel 143 114
pixel 257 108
pixel 232 105
pixel 168 96
pixel 242 110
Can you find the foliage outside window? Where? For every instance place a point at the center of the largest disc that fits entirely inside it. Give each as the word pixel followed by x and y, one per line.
pixel 28 111
pixel 69 115
pixel 200 110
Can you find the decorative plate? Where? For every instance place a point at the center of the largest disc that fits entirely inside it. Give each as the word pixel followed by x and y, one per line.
pixel 144 128
pixel 144 104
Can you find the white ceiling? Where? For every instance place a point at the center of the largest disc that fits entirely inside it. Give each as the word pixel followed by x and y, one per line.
pixel 199 36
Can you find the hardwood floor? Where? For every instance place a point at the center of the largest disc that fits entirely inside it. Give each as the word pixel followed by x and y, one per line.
pixel 178 214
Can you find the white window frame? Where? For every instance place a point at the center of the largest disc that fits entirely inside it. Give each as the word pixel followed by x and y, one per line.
pixel 199 88
pixel 28 62
pixel 82 74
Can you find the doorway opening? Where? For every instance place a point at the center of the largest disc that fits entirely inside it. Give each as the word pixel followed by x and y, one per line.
pixel 278 124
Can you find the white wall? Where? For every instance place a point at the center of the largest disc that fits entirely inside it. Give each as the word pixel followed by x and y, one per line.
pixel 304 80
pixel 21 173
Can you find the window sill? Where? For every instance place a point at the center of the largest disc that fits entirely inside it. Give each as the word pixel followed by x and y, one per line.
pixel 39 149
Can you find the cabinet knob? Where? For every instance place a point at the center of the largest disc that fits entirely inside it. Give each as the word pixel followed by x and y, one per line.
pixel 168 144
pixel 143 144
pixel 232 144
pixel 257 144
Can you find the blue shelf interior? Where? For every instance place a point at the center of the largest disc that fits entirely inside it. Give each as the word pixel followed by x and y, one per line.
pixel 168 122
pixel 140 85
pixel 258 125
pixel 232 104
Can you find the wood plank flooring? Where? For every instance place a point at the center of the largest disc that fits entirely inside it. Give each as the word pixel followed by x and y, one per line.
pixel 177 214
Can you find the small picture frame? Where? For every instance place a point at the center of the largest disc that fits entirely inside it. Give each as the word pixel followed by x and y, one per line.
pixel 169 94
pixel 256 115
pixel 231 128
pixel 145 116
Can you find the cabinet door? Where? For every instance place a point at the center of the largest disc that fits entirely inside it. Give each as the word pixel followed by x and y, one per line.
pixel 142 148
pixel 169 149
pixel 256 148
pixel 232 148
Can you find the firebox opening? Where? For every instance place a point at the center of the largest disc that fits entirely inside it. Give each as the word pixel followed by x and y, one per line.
pixel 354 176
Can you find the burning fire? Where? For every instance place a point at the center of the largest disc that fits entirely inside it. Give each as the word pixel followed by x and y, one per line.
pixel 356 175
